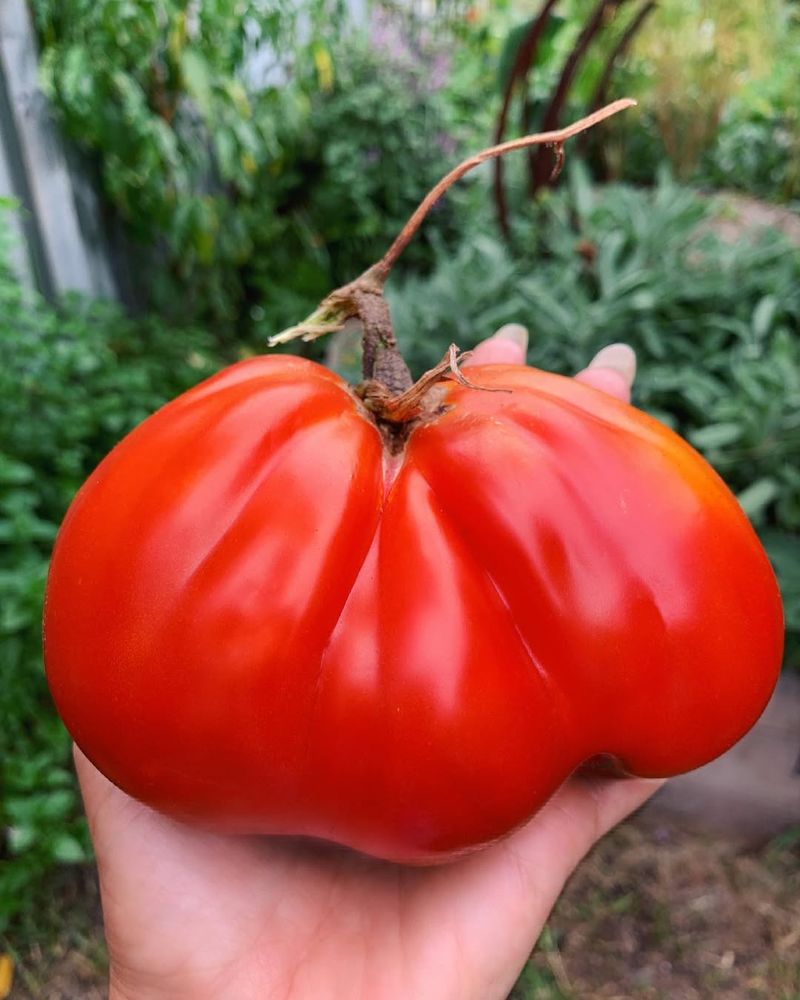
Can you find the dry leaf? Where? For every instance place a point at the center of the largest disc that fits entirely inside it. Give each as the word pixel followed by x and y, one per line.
pixel 6 975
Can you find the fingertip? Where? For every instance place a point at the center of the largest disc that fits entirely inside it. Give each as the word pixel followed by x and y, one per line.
pixel 508 346
pixel 89 777
pixel 612 370
pixel 619 357
pixel 607 380
pixel 588 806
pixel 516 333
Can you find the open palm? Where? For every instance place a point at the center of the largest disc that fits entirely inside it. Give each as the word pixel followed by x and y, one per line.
pixel 189 914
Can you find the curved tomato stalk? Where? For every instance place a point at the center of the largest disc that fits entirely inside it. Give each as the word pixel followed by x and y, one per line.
pixel 388 387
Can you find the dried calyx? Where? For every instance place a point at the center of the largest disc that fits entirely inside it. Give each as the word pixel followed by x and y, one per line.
pixel 387 390
pixel 396 414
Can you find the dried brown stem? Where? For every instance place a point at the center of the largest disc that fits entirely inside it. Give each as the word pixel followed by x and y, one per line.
pixel 387 389
pixel 557 137
pixel 407 406
pixel 381 359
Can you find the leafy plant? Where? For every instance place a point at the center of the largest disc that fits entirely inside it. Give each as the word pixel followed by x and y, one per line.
pixel 72 381
pixel 757 154
pixel 376 138
pixel 183 109
pixel 255 173
pixel 717 81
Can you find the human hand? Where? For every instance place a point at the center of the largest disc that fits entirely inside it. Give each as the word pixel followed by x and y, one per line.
pixel 190 914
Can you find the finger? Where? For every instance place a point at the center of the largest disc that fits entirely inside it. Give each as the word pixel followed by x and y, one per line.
pixel 97 791
pixel 546 850
pixel 503 895
pixel 611 370
pixel 506 347
pixel 137 849
pixel 583 810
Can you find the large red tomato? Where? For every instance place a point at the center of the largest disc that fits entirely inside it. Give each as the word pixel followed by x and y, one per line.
pixel 260 620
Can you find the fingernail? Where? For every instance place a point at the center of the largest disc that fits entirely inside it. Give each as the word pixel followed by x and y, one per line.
pixel 620 358
pixel 516 333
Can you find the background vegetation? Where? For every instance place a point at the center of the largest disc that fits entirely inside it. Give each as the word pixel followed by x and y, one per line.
pixel 73 380
pixel 252 160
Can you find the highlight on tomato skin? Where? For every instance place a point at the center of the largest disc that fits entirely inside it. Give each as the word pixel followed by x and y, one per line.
pixel 246 628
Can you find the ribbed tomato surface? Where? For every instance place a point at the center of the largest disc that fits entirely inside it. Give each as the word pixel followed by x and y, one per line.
pixel 259 620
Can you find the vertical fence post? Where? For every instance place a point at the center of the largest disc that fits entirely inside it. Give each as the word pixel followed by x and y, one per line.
pixel 66 246
pixel 21 260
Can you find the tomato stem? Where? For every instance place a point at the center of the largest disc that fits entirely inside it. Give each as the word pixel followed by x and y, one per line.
pixel 383 364
pixel 382 361
pixel 556 139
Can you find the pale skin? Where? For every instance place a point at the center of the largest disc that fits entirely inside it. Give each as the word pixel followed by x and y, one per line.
pixel 191 915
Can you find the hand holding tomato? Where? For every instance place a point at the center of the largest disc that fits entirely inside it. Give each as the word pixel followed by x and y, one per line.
pixel 195 915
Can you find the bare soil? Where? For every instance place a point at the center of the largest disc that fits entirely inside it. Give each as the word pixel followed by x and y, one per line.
pixel 737 216
pixel 659 913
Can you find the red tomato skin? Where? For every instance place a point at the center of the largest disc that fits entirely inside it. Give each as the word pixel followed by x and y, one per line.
pixel 257 622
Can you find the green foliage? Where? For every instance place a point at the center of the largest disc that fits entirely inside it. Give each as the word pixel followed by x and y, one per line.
pixel 378 137
pixel 187 147
pixel 715 327
pixel 537 981
pixel 251 201
pixel 716 82
pixel 72 382
pixel 757 151
pixel 784 551
pixel 756 147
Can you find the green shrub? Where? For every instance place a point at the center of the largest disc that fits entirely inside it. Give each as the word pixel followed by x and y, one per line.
pixel 247 200
pixel 186 140
pixel 377 138
pixel 715 327
pixel 716 83
pixel 757 153
pixel 72 382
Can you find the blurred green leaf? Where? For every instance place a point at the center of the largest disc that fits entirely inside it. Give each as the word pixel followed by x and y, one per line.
pixel 784 552
pixel 764 314
pixel 758 495
pixel 198 79
pixel 69 850
pixel 14 473
pixel 716 435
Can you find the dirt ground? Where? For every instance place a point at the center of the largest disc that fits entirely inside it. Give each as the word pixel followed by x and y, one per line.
pixel 658 913
pixel 654 913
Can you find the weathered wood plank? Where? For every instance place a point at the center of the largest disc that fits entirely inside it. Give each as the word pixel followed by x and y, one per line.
pixel 20 260
pixel 74 258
